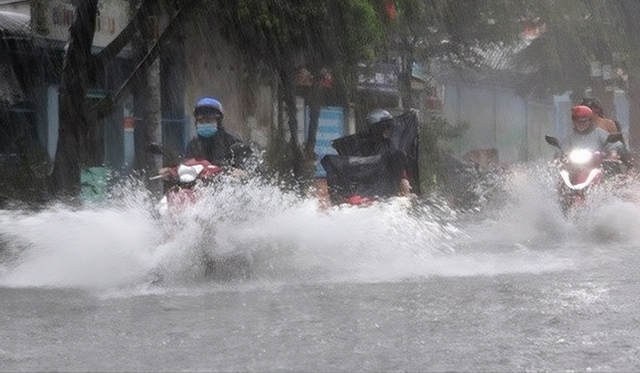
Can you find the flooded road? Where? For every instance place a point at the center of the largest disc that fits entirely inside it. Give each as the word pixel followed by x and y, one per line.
pixel 515 287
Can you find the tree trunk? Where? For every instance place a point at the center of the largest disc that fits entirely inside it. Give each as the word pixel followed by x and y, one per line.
pixel 292 120
pixel 74 121
pixel 178 17
pixel 314 102
pixel 278 156
pixel 406 73
pixel 150 129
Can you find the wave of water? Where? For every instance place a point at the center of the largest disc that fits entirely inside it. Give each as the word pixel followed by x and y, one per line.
pixel 283 238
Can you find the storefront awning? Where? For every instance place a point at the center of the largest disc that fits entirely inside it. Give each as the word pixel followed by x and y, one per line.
pixel 14 24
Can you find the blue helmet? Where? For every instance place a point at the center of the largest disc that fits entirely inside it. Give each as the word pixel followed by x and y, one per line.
pixel 208 106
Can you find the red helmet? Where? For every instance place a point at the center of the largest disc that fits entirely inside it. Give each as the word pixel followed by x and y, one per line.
pixel 581 112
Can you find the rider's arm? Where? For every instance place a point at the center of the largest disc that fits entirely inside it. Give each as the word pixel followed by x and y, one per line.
pixel 240 152
pixel 617 148
pixel 168 172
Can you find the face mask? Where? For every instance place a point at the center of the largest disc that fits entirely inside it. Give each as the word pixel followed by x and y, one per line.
pixel 206 129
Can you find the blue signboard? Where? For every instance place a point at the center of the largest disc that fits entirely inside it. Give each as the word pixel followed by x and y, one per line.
pixel 330 127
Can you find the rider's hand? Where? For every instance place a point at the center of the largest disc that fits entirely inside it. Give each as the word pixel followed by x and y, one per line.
pixel 405 188
pixel 237 173
pixel 165 171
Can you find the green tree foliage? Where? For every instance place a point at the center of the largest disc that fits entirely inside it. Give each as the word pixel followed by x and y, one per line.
pixel 77 138
pixel 575 35
pixel 25 179
pixel 284 36
pixel 558 59
pixel 450 31
pixel 434 129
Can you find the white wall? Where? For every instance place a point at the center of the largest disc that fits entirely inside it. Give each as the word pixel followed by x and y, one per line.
pixel 511 126
pixel 58 16
pixel 214 69
pixel 499 119
pixel 540 122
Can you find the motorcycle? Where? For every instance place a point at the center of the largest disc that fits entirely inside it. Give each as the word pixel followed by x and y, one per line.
pixel 184 184
pixel 186 177
pixel 582 170
pixel 183 181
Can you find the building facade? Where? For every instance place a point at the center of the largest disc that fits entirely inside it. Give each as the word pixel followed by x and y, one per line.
pixel 194 63
pixel 39 66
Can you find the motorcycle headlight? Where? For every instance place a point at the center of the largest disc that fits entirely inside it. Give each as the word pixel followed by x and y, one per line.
pixel 188 174
pixel 580 156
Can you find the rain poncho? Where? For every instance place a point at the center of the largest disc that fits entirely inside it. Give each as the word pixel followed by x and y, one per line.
pixel 369 166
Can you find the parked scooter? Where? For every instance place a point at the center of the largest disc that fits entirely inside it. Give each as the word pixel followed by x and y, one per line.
pixel 581 170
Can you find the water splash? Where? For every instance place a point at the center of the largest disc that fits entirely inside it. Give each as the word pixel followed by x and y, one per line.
pixel 280 237
pixel 91 247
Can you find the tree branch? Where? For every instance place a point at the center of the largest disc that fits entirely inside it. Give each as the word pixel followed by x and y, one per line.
pixel 124 37
pixel 105 105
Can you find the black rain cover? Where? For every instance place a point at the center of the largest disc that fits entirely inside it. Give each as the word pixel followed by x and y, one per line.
pixel 355 171
pixel 372 176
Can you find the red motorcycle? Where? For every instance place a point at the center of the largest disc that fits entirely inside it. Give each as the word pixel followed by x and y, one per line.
pixel 581 170
pixel 184 184
pixel 184 180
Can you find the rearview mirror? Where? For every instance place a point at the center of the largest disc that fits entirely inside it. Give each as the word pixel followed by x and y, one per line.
pixel 552 141
pixel 156 149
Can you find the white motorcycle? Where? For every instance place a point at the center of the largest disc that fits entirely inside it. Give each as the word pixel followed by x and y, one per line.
pixel 581 170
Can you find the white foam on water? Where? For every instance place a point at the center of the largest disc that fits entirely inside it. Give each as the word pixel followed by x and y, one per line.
pixel 87 248
pixel 284 238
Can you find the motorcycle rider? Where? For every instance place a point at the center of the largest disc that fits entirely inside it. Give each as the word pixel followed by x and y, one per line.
pixel 369 164
pixel 212 142
pixel 380 124
pixel 598 115
pixel 587 135
pixel 609 125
